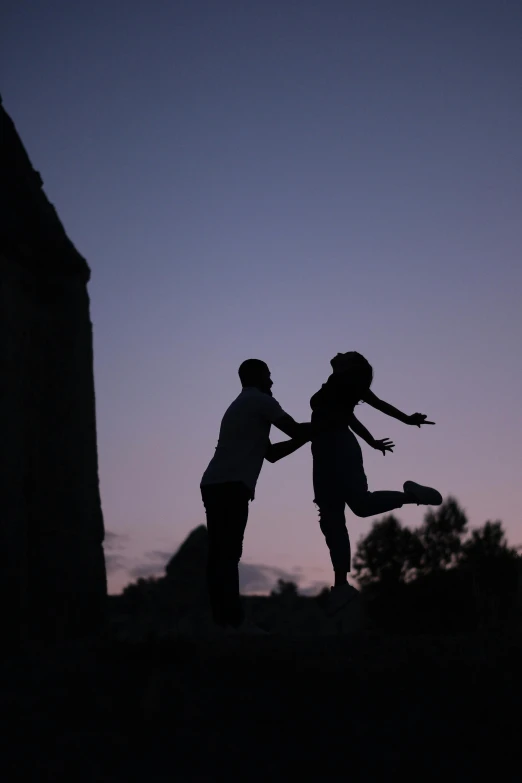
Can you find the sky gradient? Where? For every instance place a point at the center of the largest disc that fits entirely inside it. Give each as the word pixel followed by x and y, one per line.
pixel 285 180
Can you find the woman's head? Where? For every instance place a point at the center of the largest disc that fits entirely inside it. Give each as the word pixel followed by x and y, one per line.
pixel 356 364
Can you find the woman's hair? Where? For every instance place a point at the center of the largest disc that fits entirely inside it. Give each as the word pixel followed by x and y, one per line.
pixel 360 369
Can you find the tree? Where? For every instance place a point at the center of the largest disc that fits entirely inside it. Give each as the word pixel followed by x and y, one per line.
pixel 493 563
pixel 284 590
pixel 454 582
pixel 487 542
pixel 140 594
pixel 389 554
pixel 441 536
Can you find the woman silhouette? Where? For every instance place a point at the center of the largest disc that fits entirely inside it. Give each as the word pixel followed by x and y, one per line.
pixel 338 471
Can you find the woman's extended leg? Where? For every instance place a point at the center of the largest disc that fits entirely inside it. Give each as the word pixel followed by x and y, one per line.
pixel 339 478
pixel 359 499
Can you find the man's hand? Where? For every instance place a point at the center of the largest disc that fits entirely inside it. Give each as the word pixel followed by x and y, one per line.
pixel 306 431
pixel 417 419
pixel 293 429
pixel 277 451
pixel 383 445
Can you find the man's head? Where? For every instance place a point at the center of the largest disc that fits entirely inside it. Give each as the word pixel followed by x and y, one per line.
pixel 254 372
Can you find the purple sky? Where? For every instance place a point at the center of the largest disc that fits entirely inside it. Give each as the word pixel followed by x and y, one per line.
pixel 285 180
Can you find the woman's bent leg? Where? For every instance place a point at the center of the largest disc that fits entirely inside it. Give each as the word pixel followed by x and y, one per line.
pixel 359 499
pixel 367 504
pixel 339 478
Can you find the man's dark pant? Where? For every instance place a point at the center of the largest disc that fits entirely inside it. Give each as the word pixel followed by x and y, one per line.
pixel 226 507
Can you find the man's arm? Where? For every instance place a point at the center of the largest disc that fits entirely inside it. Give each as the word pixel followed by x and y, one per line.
pixel 291 428
pixel 277 451
pixel 385 407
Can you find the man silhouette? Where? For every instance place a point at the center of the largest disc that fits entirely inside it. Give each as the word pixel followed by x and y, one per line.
pixel 229 482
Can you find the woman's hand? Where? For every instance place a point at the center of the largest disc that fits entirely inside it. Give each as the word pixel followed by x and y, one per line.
pixel 418 418
pixel 383 445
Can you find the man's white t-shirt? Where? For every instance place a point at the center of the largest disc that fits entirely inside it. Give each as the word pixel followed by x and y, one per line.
pixel 243 439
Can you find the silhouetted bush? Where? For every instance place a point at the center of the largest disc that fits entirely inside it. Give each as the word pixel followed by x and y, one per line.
pixel 389 554
pixel 432 579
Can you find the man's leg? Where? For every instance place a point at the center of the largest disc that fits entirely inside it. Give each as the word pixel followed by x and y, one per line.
pixel 226 508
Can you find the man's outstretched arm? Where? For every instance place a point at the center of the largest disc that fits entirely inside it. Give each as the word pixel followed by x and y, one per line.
pixel 277 451
pixel 385 407
pixel 293 428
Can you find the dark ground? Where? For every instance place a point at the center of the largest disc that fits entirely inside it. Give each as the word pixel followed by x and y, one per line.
pixel 265 708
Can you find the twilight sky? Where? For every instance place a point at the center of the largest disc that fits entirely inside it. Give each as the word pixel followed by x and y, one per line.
pixel 285 179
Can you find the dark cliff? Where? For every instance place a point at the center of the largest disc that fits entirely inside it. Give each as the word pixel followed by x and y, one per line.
pixel 52 568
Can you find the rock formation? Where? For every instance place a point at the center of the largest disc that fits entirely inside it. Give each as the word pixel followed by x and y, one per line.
pixel 185 571
pixel 52 568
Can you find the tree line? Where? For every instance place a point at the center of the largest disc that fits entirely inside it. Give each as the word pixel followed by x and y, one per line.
pixel 392 554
